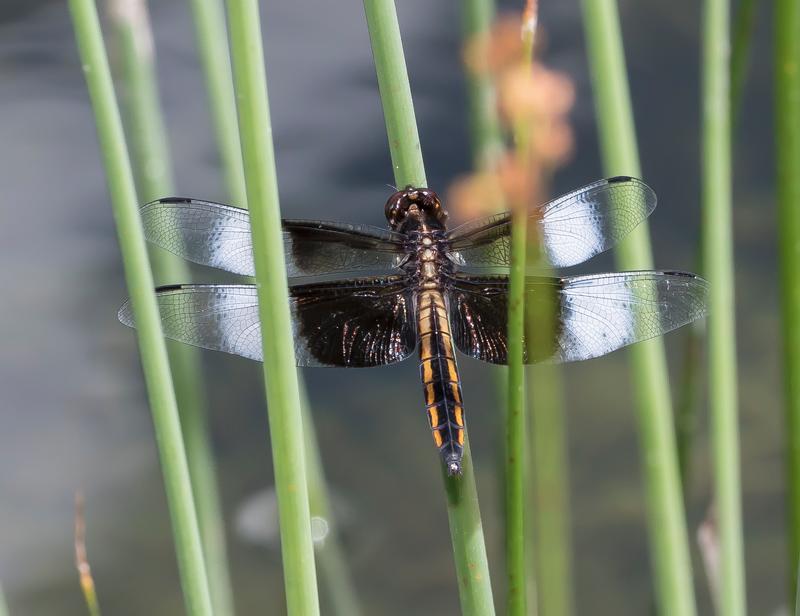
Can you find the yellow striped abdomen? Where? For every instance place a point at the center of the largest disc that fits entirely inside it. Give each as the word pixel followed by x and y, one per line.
pixel 440 380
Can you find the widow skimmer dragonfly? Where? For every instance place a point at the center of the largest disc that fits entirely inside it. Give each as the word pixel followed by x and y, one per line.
pixel 431 292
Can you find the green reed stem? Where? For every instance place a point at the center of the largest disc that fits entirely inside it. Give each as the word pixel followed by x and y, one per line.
pixel 333 568
pixel 283 395
pixel 153 174
pixel 743 27
pixel 395 91
pixel 484 124
pixel 551 512
pixel 466 535
pixel 82 561
pixel 466 530
pixel 787 136
pixel 487 145
pixel 516 430
pixel 692 367
pixel 517 531
pixel 212 43
pixel 90 598
pixel 719 268
pixel 796 595
pixel 155 362
pixel 212 40
pixel 3 604
pixel 689 401
pixel 667 525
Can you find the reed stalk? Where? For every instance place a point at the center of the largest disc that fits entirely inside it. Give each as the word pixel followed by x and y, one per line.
pixel 486 136
pixel 517 535
pixel 787 135
pixel 82 561
pixel 487 146
pixel 666 521
pixel 516 425
pixel 466 530
pixel 334 571
pixel 212 43
pixel 552 551
pixel 719 268
pixel 212 40
pixel 153 177
pixel 280 373
pixel 743 26
pixel 466 535
pixel 3 604
pixel 155 362
pixel 692 368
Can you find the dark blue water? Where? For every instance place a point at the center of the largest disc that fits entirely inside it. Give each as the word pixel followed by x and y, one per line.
pixel 72 407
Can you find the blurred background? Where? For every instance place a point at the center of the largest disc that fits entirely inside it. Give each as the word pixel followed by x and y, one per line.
pixel 73 414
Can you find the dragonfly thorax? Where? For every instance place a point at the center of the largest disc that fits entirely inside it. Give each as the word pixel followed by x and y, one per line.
pixel 428 259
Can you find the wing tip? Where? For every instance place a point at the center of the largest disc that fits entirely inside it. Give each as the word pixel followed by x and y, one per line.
pixel 125 314
pixel 652 198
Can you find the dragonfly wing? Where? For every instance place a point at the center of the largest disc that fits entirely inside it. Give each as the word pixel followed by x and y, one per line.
pixel 218 235
pixel 595 314
pixel 574 227
pixel 356 323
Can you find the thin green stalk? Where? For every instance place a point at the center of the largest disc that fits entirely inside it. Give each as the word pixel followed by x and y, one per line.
pixel 484 123
pixel 3 604
pixel 796 596
pixel 212 43
pixel 744 24
pixel 517 536
pixel 719 267
pixel 787 134
pixel 283 395
pixel 692 368
pixel 466 535
pixel 82 561
pixel 549 510
pixel 689 398
pixel 466 531
pixel 153 174
pixel 155 362
pixel 395 90
pixel 667 525
pixel 333 569
pixel 487 145
pixel 89 597
pixel 212 39
pixel 550 465
pixel 516 431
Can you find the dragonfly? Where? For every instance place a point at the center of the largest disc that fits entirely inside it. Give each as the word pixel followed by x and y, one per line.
pixel 418 285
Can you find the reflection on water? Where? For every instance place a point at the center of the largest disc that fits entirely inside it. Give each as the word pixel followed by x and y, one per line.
pixel 72 408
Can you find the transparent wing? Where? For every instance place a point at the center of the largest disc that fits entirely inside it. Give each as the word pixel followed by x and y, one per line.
pixel 357 323
pixel 574 227
pixel 219 236
pixel 595 314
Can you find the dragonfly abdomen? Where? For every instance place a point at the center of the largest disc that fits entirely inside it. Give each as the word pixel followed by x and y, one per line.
pixel 440 379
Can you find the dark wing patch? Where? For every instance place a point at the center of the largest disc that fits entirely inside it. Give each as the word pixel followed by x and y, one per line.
pixel 357 323
pixel 479 316
pixel 595 314
pixel 218 235
pixel 574 228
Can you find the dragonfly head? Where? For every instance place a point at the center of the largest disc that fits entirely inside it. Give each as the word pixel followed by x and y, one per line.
pixel 421 205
